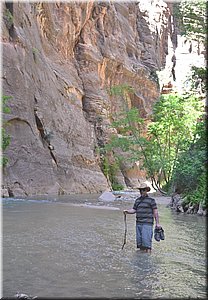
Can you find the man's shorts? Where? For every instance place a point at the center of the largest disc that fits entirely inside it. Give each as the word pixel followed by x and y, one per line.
pixel 144 234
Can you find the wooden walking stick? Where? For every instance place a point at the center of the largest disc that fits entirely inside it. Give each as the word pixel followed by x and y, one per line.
pixel 125 231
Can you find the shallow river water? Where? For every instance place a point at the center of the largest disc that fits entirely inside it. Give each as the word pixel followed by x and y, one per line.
pixel 71 247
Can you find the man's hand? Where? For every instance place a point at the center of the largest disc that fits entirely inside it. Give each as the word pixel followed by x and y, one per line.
pixel 129 211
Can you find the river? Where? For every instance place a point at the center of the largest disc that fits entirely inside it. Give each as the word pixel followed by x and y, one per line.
pixel 70 246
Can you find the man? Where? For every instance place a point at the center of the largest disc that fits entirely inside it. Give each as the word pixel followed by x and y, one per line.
pixel 146 211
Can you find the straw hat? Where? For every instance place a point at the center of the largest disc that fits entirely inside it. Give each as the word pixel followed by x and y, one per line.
pixel 144 186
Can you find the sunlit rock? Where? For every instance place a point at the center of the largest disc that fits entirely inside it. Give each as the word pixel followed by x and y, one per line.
pixel 59 61
pixel 107 196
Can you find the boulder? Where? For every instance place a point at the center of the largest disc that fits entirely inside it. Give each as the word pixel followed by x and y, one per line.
pixel 107 196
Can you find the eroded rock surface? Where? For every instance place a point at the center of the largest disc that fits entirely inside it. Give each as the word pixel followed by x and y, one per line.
pixel 59 60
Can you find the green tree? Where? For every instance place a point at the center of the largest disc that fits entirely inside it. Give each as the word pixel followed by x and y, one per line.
pixel 170 133
pixel 197 81
pixel 190 170
pixel 110 171
pixel 5 137
pixel 130 128
pixel 192 19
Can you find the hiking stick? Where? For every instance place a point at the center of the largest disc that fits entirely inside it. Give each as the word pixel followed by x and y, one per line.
pixel 125 232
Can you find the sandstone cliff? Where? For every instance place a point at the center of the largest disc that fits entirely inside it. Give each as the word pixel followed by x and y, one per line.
pixel 59 60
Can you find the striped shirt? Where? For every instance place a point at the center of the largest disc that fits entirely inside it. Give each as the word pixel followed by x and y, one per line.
pixel 144 209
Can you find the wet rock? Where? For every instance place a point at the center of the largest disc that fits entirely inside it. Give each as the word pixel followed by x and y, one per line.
pixel 176 201
pixel 179 208
pixel 192 208
pixel 200 211
pixel 179 204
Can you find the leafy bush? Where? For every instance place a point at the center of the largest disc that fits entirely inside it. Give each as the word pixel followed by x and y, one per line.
pixel 190 171
pixel 198 194
pixel 117 187
pixel 197 80
pixel 5 137
pixel 8 18
pixel 172 132
pixel 110 169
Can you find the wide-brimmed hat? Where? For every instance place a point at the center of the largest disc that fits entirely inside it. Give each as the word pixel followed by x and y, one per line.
pixel 144 186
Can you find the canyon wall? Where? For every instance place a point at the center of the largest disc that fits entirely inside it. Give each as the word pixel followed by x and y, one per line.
pixel 59 61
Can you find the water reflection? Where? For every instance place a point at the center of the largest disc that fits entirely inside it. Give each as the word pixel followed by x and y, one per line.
pixel 56 249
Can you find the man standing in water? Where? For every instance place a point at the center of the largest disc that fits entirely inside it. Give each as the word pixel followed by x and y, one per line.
pixel 146 211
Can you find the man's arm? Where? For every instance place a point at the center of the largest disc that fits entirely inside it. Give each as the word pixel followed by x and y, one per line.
pixel 156 216
pixel 129 211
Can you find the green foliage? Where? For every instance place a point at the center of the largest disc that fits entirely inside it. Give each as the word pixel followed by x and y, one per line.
pixel 110 170
pixel 5 143
pixel 199 193
pixel 127 121
pixel 171 133
pixel 190 170
pixel 8 18
pixel 198 80
pixel 5 137
pixel 120 90
pixel 192 19
pixel 117 186
pixel 154 77
pixel 172 148
pixel 5 108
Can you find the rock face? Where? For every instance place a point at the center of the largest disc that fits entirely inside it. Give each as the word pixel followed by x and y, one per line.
pixel 59 60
